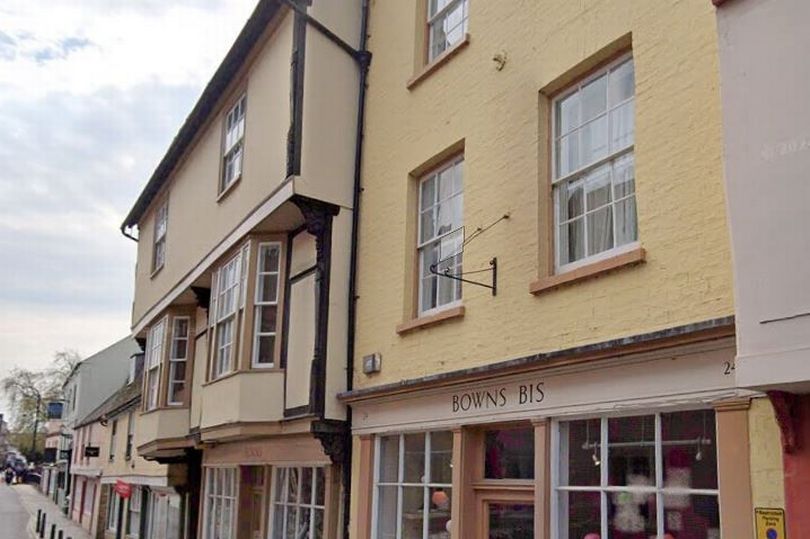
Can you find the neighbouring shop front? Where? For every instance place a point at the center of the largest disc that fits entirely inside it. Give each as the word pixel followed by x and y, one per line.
pixel 277 487
pixel 650 444
pixel 143 508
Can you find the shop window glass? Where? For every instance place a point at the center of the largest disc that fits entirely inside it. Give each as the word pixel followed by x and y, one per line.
pixel 413 486
pixel 638 477
pixel 509 454
pixel 510 520
pixel 298 502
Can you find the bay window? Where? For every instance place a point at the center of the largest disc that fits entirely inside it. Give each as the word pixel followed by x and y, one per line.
pixel 441 234
pixel 154 357
pixel 220 503
pixel 447 24
pixel 227 299
pixel 299 502
pixel 650 475
pixel 413 486
pixel 233 144
pixel 593 166
pixel 176 388
pixel 159 239
pixel 266 305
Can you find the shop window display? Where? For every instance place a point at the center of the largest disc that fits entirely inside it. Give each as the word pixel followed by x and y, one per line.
pixel 638 477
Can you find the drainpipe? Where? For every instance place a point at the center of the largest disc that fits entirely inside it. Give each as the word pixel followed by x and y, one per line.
pixel 365 61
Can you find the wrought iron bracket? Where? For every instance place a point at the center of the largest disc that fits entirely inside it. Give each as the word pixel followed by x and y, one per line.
pixel 493 268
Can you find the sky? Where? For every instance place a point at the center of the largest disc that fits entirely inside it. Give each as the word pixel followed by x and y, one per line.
pixel 91 94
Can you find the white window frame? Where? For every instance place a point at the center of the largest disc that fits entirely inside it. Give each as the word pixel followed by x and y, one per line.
pixel 134 506
pixel 259 304
pixel 113 433
pixel 423 246
pixel 400 484
pixel 113 502
pixel 214 497
pixel 285 505
pixel 154 363
pixel 233 144
pixel 130 436
pixel 226 308
pixel 604 488
pixel 174 359
pixel 438 18
pixel 613 155
pixel 159 237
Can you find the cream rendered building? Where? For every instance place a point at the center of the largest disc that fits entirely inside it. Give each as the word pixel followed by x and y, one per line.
pixel 241 288
pixel 545 317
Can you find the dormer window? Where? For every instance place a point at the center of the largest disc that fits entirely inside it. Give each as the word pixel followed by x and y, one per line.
pixel 233 145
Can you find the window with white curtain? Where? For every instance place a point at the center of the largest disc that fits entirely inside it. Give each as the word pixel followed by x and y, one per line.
pixel 176 387
pixel 413 478
pixel 266 305
pixel 594 167
pixel 299 502
pixel 154 357
pixel 220 503
pixel 113 501
pixel 134 516
pixel 447 24
pixel 441 233
pixel 651 475
pixel 233 144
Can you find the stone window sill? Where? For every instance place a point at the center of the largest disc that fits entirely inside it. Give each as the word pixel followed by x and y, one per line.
pixel 552 282
pixel 427 321
pixel 437 62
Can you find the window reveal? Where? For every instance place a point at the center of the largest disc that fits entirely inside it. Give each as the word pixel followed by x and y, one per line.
pixel 266 305
pixel 178 360
pixel 441 220
pixel 447 24
pixel 594 168
pixel 154 357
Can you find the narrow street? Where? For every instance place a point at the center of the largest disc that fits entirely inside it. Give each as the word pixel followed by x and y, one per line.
pixel 13 516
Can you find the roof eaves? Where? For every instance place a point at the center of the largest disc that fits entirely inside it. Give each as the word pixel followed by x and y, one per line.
pixel 227 70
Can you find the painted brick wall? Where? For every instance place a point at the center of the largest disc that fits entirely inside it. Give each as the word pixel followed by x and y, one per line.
pixel 501 117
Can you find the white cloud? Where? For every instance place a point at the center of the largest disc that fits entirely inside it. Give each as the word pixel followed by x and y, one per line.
pixel 91 94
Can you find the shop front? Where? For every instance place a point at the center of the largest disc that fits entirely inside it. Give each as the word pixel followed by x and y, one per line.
pixel 638 445
pixel 143 507
pixel 273 487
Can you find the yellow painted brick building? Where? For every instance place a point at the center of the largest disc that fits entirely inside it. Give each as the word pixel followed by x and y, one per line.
pixel 594 395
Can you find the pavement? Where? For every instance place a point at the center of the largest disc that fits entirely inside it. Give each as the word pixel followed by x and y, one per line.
pixel 18 514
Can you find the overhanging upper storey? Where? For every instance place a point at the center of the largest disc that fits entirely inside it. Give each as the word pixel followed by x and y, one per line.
pixel 277 119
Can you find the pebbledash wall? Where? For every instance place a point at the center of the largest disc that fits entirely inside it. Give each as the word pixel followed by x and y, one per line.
pixel 654 335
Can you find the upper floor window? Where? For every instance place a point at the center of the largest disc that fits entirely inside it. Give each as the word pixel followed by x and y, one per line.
pixel 159 248
pixel 593 171
pixel 441 207
pixel 447 24
pixel 266 305
pixel 113 433
pixel 228 299
pixel 176 388
pixel 154 356
pixel 130 436
pixel 233 146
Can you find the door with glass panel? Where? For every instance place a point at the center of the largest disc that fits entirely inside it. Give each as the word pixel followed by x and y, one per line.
pixel 503 480
pixel 637 477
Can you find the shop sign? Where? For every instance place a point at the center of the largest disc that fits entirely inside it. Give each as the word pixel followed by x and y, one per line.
pixel 123 488
pixel 91 451
pixel 506 396
pixel 770 523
